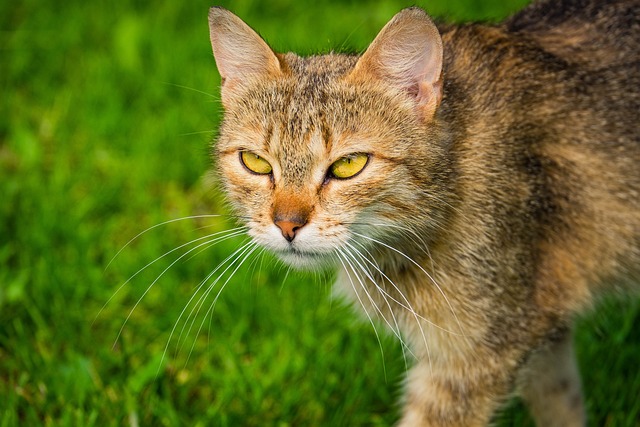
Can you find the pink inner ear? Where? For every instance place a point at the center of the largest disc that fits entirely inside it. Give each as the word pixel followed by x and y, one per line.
pixel 407 55
pixel 429 95
pixel 224 62
pixel 425 93
pixel 417 71
pixel 239 51
pixel 427 69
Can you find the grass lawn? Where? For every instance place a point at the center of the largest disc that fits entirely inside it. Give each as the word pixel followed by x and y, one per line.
pixel 106 113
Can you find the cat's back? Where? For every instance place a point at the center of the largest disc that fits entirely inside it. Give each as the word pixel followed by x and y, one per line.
pixel 553 96
pixel 595 34
pixel 595 45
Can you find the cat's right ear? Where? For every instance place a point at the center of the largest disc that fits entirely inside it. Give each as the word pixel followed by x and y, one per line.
pixel 407 54
pixel 240 53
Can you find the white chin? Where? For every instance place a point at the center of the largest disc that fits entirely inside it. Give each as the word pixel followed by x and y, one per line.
pixel 305 260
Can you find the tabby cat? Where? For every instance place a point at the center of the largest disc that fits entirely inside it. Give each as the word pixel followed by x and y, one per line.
pixel 476 187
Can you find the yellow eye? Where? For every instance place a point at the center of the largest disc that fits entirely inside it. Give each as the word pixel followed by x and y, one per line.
pixel 255 163
pixel 349 166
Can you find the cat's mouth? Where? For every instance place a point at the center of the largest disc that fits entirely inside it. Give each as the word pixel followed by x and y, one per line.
pixel 304 259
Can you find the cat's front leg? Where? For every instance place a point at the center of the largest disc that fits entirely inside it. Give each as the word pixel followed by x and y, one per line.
pixel 550 385
pixel 455 395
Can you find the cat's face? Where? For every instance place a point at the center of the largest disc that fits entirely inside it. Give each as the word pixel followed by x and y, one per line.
pixel 318 160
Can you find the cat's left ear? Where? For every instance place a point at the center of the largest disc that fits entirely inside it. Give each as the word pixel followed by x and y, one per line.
pixel 240 52
pixel 407 54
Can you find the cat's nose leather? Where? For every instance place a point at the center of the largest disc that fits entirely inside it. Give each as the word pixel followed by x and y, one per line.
pixel 289 227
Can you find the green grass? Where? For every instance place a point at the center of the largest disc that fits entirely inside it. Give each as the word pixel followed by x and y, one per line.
pixel 106 113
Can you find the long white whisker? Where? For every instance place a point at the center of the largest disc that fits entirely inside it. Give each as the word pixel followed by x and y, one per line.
pixel 230 233
pixel 253 266
pixel 248 247
pixel 284 279
pixel 251 250
pixel 238 231
pixel 421 269
pixel 154 282
pixel 231 257
pixel 207 132
pixel 156 226
pixel 444 202
pixel 394 329
pixel 261 255
pixel 216 97
pixel 343 258
pixel 407 231
pixel 407 304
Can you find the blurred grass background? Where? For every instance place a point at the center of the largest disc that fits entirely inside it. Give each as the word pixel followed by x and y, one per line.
pixel 106 113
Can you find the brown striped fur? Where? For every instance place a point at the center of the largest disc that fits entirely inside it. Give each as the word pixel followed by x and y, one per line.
pixel 500 199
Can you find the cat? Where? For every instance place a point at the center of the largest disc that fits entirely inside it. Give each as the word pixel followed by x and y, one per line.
pixel 475 186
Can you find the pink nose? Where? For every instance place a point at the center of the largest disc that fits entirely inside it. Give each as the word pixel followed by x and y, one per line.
pixel 289 226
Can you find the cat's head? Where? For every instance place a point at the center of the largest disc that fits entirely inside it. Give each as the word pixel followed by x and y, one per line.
pixel 332 154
